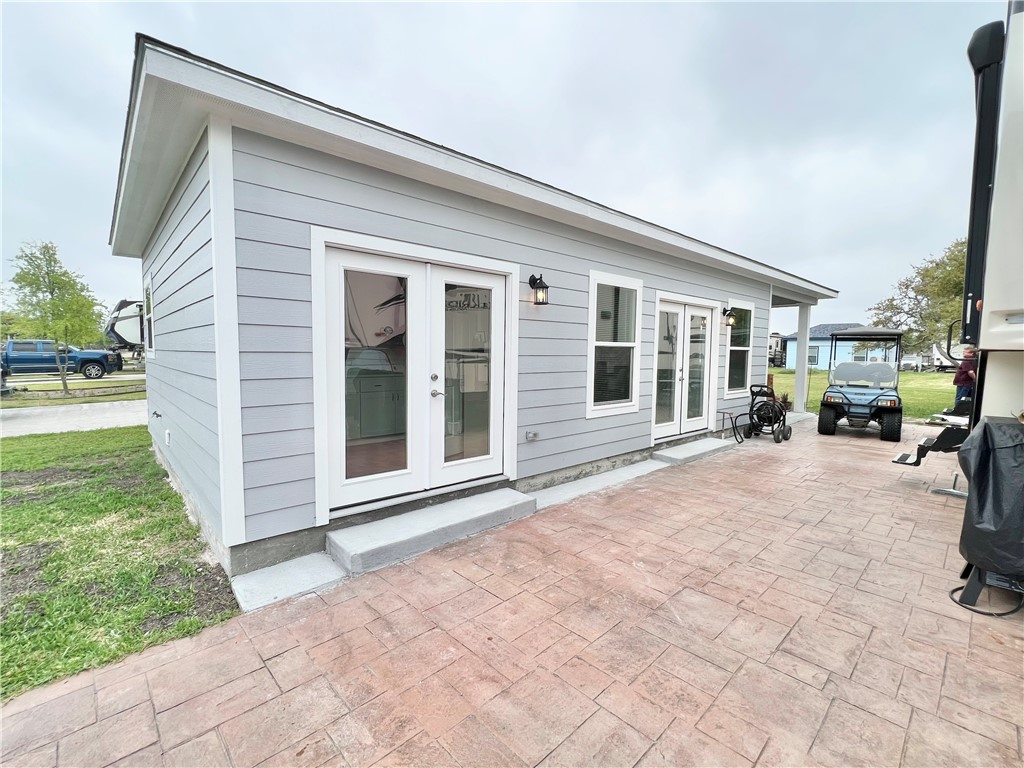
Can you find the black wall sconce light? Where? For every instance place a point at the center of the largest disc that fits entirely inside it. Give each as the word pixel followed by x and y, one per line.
pixel 729 315
pixel 540 289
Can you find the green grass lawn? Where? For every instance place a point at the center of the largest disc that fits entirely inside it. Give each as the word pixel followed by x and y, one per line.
pixel 99 559
pixel 923 393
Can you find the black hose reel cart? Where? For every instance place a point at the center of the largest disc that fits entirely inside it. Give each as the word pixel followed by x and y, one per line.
pixel 766 415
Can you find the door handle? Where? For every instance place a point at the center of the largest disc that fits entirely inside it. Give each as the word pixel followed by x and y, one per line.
pixel 435 393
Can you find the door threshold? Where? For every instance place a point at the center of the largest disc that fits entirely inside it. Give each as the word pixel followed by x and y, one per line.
pixel 390 501
pixel 681 436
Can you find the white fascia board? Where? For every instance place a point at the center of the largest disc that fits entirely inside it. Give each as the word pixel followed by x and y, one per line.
pixel 291 117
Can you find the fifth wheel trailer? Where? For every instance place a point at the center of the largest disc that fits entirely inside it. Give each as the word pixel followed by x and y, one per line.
pixel 993 307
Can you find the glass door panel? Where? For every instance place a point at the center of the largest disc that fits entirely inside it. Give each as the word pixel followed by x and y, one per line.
pixel 376 355
pixel 467 311
pixel 376 386
pixel 467 364
pixel 666 397
pixel 696 390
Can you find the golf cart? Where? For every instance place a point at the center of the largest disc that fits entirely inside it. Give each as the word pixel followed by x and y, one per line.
pixel 862 392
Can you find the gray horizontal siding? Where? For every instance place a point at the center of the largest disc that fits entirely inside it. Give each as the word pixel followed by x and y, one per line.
pixel 273 445
pixel 278 521
pixel 266 472
pixel 267 498
pixel 277 418
pixel 182 385
pixel 258 392
pixel 273 338
pixel 282 189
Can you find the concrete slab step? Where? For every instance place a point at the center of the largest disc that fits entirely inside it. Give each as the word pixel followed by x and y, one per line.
pixel 559 494
pixel 287 579
pixel 370 546
pixel 698 449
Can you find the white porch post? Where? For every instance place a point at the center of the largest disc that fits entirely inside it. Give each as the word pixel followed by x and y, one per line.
pixel 803 333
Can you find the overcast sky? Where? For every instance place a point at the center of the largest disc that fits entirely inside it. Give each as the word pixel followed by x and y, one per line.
pixel 829 140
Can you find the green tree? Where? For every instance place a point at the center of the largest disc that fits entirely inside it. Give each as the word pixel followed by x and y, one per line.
pixel 927 301
pixel 8 321
pixel 52 302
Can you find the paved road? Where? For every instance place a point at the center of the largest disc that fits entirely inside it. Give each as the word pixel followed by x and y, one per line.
pixel 71 418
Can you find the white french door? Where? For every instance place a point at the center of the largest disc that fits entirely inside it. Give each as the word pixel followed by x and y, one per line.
pixel 682 381
pixel 416 371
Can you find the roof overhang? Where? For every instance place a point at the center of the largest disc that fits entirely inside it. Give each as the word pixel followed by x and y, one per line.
pixel 174 93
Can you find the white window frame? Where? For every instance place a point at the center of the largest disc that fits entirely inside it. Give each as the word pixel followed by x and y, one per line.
pixel 854 354
pixel 148 318
pixel 618 281
pixel 732 394
pixel 816 351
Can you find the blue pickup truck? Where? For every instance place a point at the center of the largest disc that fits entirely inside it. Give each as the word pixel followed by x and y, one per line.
pixel 36 356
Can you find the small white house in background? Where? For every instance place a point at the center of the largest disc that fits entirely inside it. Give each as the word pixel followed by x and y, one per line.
pixel 345 317
pixel 819 345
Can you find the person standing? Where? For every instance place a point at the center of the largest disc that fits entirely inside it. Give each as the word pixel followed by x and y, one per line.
pixel 966 375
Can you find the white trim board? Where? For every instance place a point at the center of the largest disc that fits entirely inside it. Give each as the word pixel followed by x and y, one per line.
pixel 225 314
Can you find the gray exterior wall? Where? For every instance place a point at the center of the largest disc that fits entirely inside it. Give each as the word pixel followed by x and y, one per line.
pixel 282 189
pixel 181 376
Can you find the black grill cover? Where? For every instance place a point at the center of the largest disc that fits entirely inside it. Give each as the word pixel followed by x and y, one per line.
pixel 992 459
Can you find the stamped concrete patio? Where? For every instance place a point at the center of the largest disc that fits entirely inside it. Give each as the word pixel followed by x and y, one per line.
pixel 776 604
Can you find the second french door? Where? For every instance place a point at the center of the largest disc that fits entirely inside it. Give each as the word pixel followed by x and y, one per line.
pixel 682 385
pixel 416 369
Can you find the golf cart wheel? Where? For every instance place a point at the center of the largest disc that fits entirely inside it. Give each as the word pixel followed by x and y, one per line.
pixel 777 435
pixel 892 426
pixel 827 420
pixel 787 432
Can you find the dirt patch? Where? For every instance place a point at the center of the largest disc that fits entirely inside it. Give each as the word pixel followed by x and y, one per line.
pixel 161 623
pixel 209 585
pixel 30 480
pixel 213 591
pixel 20 569
pixel 127 483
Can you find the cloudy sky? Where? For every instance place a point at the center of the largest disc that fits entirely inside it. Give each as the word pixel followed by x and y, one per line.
pixel 830 140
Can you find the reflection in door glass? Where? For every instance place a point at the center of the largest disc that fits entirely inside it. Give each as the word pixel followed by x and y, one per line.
pixel 467 363
pixel 668 338
pixel 697 366
pixel 375 382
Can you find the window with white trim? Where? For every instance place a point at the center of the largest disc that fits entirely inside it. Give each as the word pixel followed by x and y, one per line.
pixel 738 349
pixel 147 312
pixel 613 360
pixel 812 355
pixel 861 356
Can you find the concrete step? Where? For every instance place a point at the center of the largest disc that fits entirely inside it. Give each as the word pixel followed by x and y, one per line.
pixel 287 579
pixel 370 546
pixel 559 494
pixel 698 449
